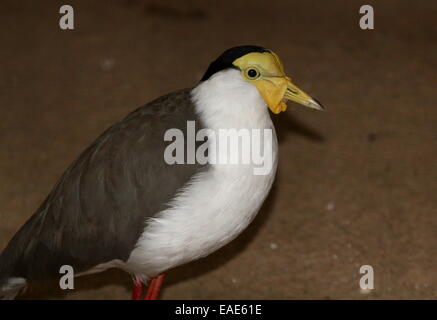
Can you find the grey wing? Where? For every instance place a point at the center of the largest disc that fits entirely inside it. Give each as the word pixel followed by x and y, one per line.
pixel 97 210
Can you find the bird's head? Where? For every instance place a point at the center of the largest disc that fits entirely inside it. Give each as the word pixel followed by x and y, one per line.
pixel 263 68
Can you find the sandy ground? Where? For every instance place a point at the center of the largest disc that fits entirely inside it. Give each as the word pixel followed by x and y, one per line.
pixel 356 185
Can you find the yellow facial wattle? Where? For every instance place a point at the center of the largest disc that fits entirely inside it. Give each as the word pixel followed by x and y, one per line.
pixel 266 72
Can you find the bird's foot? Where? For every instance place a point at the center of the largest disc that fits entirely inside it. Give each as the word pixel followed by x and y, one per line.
pixel 152 290
pixel 154 287
pixel 137 289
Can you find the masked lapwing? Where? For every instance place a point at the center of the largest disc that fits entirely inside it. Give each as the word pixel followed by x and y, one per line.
pixel 122 204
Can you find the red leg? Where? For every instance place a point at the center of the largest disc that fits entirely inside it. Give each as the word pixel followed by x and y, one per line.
pixel 137 289
pixel 150 288
pixel 154 287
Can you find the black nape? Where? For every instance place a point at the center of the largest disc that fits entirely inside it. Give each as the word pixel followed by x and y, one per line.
pixel 224 61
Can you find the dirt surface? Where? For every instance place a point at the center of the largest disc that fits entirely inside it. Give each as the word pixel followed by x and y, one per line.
pixel 356 185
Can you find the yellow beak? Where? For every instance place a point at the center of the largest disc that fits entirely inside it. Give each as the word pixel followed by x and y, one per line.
pixel 293 93
pixel 277 90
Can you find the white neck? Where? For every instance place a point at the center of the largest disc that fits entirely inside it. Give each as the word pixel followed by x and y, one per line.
pixel 226 100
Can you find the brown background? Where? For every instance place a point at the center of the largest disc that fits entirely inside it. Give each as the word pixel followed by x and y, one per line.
pixel 356 184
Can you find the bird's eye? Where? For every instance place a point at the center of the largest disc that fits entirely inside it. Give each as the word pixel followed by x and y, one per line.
pixel 252 73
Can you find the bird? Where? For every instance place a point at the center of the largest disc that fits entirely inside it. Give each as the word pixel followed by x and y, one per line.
pixel 120 204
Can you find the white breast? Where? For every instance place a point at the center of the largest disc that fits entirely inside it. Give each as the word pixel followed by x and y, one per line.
pixel 217 204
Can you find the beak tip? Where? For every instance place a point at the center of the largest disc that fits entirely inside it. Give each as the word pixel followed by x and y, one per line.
pixel 316 104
